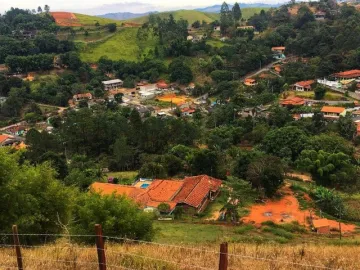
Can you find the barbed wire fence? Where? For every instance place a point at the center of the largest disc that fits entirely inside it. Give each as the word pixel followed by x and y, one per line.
pixel 223 256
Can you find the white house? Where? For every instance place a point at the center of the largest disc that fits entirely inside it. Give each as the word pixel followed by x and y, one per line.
pixel 217 28
pixel 148 88
pixel 144 95
pixel 112 84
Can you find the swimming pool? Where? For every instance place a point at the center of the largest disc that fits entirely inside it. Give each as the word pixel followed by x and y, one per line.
pixel 144 186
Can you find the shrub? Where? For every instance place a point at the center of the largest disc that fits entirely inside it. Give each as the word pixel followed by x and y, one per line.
pixel 118 216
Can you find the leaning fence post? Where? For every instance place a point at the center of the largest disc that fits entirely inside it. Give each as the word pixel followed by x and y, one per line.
pixel 100 247
pixel 17 247
pixel 223 264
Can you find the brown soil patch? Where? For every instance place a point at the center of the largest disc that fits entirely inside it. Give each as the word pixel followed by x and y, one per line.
pixel 295 9
pixel 65 19
pixel 175 99
pixel 301 176
pixel 287 210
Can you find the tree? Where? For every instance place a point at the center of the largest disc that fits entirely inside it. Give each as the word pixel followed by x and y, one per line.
pixel 266 174
pixel 196 24
pixel 118 216
pixel 39 9
pixel 286 142
pixel 123 154
pixel 152 170
pixel 329 201
pixel 226 18
pixel 111 27
pixel 180 72
pixel 32 197
pixel 236 12
pixel 164 208
pixel 47 9
pixel 328 169
pixel 320 92
pixel 347 127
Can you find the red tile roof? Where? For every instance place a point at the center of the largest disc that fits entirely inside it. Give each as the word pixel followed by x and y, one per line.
pixel 191 191
pixel 296 101
pixel 280 48
pixel 3 138
pixel 348 74
pixel 329 109
pixel 305 84
pixel 196 189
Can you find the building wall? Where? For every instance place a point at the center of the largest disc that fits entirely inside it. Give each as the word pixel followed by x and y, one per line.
pixel 323 230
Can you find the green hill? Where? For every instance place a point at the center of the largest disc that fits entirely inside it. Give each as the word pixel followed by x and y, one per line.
pixel 194 15
pixel 123 45
pixel 91 20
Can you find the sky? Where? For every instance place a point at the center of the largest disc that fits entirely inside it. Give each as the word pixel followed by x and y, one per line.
pixel 94 7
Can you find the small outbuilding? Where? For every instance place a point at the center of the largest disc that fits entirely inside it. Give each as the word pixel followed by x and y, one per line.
pixel 321 226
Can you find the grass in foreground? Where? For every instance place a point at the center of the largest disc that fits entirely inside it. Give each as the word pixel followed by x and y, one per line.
pixel 64 255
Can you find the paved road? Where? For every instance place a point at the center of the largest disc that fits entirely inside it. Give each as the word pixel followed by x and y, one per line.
pixel 259 71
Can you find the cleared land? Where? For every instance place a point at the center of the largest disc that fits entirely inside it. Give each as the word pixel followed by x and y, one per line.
pixel 122 46
pixel 77 20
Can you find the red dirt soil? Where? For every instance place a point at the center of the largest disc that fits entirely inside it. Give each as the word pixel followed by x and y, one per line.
pixel 287 210
pixel 65 19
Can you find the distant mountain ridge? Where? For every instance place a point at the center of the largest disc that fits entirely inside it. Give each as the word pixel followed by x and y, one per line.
pixel 121 16
pixel 211 9
pixel 216 8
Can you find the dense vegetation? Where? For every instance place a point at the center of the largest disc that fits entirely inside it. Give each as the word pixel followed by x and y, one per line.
pixel 256 151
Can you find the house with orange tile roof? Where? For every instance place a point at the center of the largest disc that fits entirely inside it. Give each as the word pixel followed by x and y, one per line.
pixel 292 102
pixel 346 75
pixel 330 112
pixel 321 226
pixel 250 82
pixel 279 49
pixel 192 192
pixel 303 85
pixel 187 112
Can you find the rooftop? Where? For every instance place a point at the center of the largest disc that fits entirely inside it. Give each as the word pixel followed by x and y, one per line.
pixel 348 74
pixel 305 83
pixel 329 109
pixel 112 81
pixel 319 223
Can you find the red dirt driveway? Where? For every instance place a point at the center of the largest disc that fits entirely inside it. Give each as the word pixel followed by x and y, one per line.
pixel 65 19
pixel 286 210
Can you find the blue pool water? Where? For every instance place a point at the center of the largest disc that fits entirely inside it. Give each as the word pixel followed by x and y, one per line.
pixel 144 185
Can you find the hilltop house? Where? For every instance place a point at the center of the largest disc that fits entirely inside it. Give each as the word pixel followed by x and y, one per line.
pixel 279 52
pixel 192 193
pixel 112 84
pixel 333 112
pixel 303 85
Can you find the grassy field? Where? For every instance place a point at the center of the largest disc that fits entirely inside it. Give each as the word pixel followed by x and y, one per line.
pixel 189 15
pixel 68 256
pixel 123 45
pixel 194 15
pixel 91 20
pixel 331 96
pixel 215 43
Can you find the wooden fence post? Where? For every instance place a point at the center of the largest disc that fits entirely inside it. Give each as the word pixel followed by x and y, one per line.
pixel 223 263
pixel 100 247
pixel 17 247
